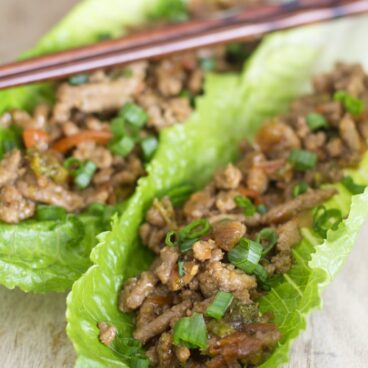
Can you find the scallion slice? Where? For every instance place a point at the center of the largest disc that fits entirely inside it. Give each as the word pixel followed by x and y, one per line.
pixel 246 204
pixel 351 104
pixel 122 146
pixel 134 115
pixel 302 160
pixel 78 79
pixel 117 127
pixel 149 147
pixel 195 229
pixel 84 174
pixel 351 186
pixel 246 255
pixel 181 269
pixel 171 239
pixel 267 237
pixel 300 188
pixel 261 208
pixel 326 219
pixel 219 306
pixel 50 213
pixel 316 121
pixel 191 332
pixel 261 273
pixel 180 194
pixel 72 164
pixel 186 245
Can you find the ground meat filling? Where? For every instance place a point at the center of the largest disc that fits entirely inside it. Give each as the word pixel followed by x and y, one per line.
pixel 105 126
pixel 264 199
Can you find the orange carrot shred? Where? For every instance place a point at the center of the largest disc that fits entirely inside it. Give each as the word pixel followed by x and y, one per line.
pixel 33 137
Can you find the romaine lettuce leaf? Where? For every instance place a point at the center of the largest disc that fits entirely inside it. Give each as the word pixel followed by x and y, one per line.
pixel 231 109
pixel 50 256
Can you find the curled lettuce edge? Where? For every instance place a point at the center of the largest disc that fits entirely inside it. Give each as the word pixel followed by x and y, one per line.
pixel 276 73
pixel 50 256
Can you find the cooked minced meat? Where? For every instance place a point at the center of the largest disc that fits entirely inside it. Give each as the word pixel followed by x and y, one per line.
pixel 91 146
pixel 259 203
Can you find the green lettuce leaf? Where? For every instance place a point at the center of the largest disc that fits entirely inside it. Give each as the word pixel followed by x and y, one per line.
pixel 233 107
pixel 50 256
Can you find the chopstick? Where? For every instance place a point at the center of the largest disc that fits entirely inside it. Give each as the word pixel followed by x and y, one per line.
pixel 239 26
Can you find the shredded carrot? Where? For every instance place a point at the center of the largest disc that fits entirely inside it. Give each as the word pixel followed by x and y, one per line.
pixel 65 144
pixel 33 137
pixel 251 194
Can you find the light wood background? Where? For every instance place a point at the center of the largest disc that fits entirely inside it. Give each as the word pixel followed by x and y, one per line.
pixel 32 326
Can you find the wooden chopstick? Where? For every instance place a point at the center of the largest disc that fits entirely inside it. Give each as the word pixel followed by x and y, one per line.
pixel 243 25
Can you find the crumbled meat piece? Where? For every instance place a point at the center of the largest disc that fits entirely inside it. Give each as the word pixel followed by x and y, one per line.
pixel 152 237
pixel 44 190
pixel 102 176
pixel 229 178
pixel 13 206
pixel 161 323
pixel 225 200
pixel 220 276
pixel 168 259
pixel 257 179
pixel 276 139
pixel 166 351
pixel 95 97
pixel 199 204
pixel 315 141
pixel 69 128
pixel 170 77
pixel 161 213
pixel 152 307
pixel 349 133
pixel 282 262
pixel 306 201
pixel 335 147
pixel 302 128
pixel 177 282
pixel 182 354
pixel 228 233
pixel 247 347
pixel 98 194
pixel 9 167
pixel 107 333
pixel 89 150
pixel 288 235
pixel 136 290
pixel 202 249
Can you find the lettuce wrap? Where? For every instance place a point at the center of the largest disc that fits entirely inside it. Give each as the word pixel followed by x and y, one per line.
pixel 233 108
pixel 43 256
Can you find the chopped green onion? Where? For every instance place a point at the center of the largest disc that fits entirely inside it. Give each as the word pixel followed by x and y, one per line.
pixel 208 64
pixel 180 194
pixel 195 229
pixel 316 121
pixel 246 255
pixel 104 36
pixel 117 127
pixel 78 79
pixel 72 164
pixel 171 239
pixel 50 213
pixel 134 115
pixel 302 160
pixel 140 363
pixel 219 306
pixel 186 245
pixel 269 237
pixel 352 104
pixel 326 219
pixel 300 188
pixel 351 186
pixel 191 332
pixel 181 269
pixel 84 174
pixel 261 208
pixel 123 146
pixel 149 147
pixel 10 138
pixel 246 204
pixel 261 273
pixel 172 10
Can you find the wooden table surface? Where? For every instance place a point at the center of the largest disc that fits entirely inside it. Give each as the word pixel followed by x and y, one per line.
pixel 32 326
